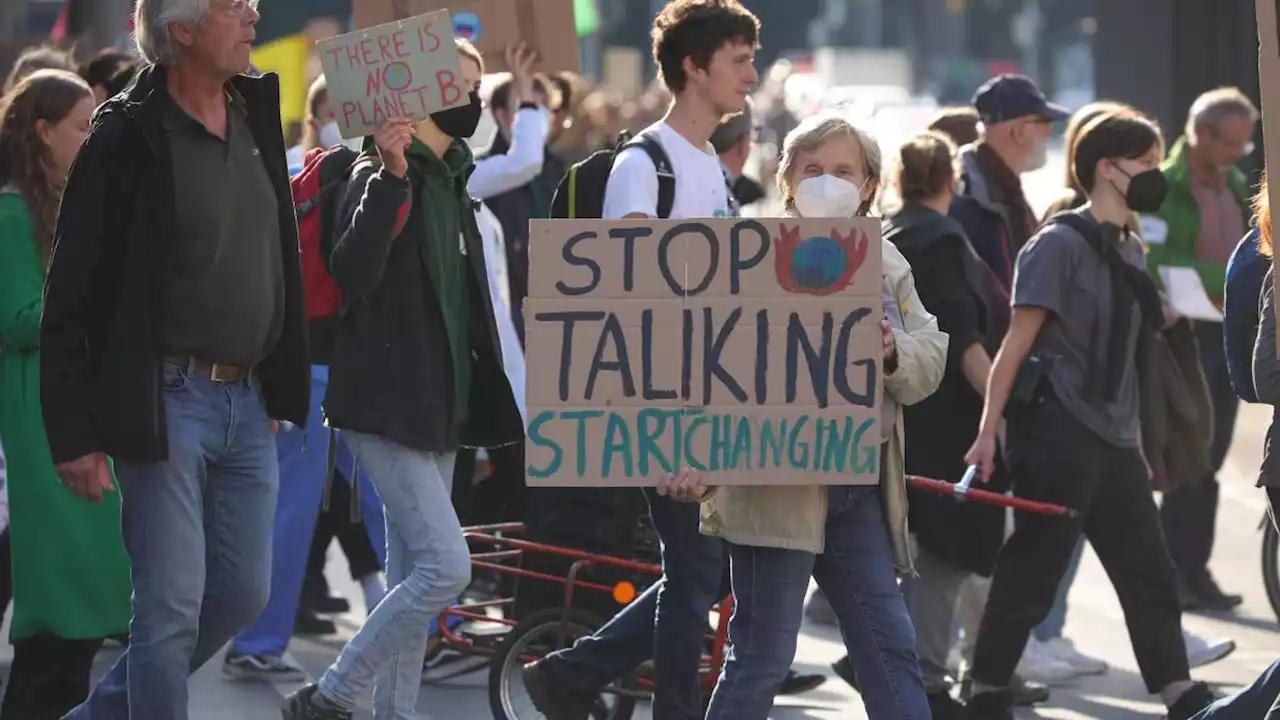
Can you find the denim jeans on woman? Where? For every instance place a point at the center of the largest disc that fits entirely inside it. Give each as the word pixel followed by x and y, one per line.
pixel 857 575
pixel 198 531
pixel 428 565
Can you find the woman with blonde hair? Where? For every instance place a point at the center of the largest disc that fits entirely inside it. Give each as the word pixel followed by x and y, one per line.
pixel 70 572
pixel 851 539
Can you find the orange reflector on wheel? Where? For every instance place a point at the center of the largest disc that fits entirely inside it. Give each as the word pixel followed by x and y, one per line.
pixel 624 592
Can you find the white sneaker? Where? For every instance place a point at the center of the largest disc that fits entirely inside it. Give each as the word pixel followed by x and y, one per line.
pixel 1039 666
pixel 955 660
pixel 1202 651
pixel 1063 649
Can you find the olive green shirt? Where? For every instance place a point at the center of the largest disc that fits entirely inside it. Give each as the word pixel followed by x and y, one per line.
pixel 224 295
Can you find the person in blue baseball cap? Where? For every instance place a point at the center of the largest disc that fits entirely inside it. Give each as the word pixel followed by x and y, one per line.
pixel 1016 124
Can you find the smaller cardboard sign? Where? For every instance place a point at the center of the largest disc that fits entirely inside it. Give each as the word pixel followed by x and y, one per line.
pixel 407 68
pixel 493 25
pixel 1269 81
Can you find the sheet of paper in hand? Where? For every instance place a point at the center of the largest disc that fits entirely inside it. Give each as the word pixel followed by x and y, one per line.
pixel 407 68
pixel 749 349
pixel 1269 74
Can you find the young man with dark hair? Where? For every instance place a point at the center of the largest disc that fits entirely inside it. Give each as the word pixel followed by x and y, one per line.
pixel 705 51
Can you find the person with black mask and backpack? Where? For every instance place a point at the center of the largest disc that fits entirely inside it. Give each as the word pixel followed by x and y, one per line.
pixel 1066 381
pixel 415 373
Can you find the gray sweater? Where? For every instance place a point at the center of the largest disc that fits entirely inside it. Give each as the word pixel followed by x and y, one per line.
pixel 1266 376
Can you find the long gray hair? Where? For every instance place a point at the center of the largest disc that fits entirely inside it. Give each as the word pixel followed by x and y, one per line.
pixel 151 30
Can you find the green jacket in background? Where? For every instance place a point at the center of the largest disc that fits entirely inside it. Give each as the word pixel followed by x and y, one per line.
pixel 70 570
pixel 1181 214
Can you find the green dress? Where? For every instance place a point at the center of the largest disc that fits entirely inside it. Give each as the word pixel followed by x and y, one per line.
pixel 70 570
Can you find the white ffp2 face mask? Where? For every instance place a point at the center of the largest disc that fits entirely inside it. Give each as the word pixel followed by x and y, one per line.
pixel 827 196
pixel 329 135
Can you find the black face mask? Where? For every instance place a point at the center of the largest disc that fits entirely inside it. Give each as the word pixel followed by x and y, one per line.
pixel 1146 190
pixel 462 121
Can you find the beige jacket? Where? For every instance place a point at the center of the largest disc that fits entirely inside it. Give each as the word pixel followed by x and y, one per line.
pixel 794 517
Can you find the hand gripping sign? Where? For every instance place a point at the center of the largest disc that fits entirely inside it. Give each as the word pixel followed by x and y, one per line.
pixel 406 68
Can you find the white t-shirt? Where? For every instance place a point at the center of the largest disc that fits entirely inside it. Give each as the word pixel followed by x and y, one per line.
pixel 700 185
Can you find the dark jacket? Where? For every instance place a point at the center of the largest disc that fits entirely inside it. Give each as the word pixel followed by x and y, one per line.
pixel 985 217
pixel 100 337
pixel 1245 272
pixel 1177 413
pixel 391 372
pixel 514 209
pixel 1266 378
pixel 956 286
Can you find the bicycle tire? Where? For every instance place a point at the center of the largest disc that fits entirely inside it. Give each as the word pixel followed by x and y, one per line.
pixel 506 663
pixel 1271 566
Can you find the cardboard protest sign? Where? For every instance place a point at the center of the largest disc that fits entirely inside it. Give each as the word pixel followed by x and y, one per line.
pixel 749 349
pixel 492 25
pixel 1269 77
pixel 406 68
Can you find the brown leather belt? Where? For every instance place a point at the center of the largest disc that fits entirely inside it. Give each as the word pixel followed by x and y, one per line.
pixel 213 371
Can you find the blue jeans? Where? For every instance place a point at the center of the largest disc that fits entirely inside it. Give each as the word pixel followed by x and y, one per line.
pixel 667 623
pixel 304 459
pixel 1054 623
pixel 198 531
pixel 428 565
pixel 856 574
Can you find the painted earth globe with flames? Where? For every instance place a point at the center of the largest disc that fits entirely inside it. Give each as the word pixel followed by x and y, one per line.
pixel 818 262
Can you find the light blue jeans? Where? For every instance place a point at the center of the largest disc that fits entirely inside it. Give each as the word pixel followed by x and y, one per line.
pixel 304 460
pixel 198 531
pixel 428 566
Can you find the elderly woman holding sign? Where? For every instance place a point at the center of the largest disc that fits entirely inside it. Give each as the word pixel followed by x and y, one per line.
pixel 851 539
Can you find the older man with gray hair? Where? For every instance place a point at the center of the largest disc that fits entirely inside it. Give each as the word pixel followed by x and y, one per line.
pixel 174 340
pixel 1204 215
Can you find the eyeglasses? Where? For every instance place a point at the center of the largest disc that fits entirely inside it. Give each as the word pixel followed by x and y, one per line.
pixel 241 7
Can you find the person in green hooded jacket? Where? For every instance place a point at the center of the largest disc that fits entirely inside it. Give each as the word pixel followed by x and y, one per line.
pixel 1203 217
pixel 70 572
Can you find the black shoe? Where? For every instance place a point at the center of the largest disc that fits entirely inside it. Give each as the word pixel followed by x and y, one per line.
pixel 845 672
pixel 990 706
pixel 308 624
pixel 1195 699
pixel 327 605
pixel 302 706
pixel 1202 593
pixel 796 683
pixel 944 707
pixel 552 700
pixel 263 668
pixel 1024 693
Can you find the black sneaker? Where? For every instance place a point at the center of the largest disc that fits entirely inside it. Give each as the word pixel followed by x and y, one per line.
pixel 944 707
pixel 990 706
pixel 1202 593
pixel 844 670
pixel 1025 693
pixel 1195 699
pixel 263 668
pixel 797 683
pixel 308 624
pixel 444 663
pixel 302 706
pixel 551 699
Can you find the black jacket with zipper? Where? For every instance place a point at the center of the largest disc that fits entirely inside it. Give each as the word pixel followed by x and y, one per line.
pixel 101 335
pixel 391 372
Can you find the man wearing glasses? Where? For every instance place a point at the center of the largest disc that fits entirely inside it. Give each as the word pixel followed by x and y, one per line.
pixel 174 340
pixel 1203 217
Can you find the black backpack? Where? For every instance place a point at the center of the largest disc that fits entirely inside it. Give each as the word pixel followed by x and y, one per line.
pixel 580 194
